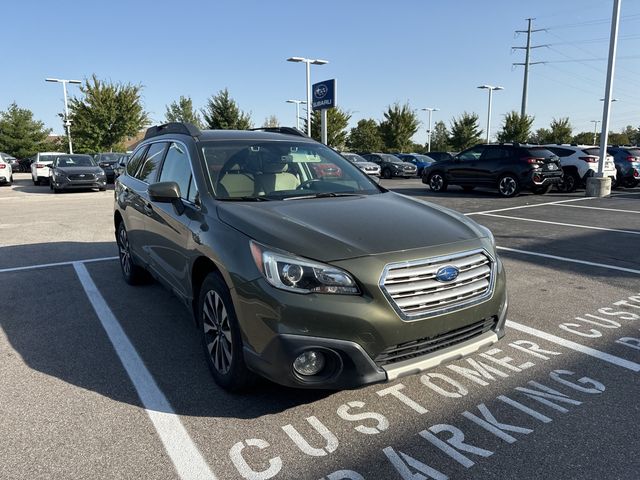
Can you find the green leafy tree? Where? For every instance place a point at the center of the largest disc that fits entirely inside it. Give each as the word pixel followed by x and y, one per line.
pixel 365 137
pixel 21 135
pixel 222 113
pixel 183 111
pixel 271 122
pixel 105 115
pixel 337 122
pixel 560 131
pixel 618 139
pixel 400 124
pixel 586 138
pixel 516 128
pixel 633 134
pixel 465 131
pixel 440 138
pixel 540 136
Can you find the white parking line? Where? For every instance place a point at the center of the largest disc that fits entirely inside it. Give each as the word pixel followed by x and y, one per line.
pixel 599 208
pixel 530 206
pixel 184 454
pixel 588 227
pixel 592 352
pixel 47 265
pixel 571 260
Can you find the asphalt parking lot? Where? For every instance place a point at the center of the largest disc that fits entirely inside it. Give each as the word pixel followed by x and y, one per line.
pixel 99 379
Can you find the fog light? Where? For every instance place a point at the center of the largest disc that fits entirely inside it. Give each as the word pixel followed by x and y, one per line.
pixel 309 363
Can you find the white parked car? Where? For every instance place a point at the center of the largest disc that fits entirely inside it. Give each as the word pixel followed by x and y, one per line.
pixel 580 162
pixel 6 172
pixel 40 162
pixel 367 167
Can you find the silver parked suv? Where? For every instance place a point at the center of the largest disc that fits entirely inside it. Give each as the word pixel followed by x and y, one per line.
pixel 580 162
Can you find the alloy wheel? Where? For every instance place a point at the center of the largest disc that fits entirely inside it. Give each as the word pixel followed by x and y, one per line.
pixel 217 331
pixel 436 182
pixel 508 186
pixel 125 254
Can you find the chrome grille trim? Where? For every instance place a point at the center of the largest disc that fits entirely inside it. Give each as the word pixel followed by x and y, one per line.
pixel 414 293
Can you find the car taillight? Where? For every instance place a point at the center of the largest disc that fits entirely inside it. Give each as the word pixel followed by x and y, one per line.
pixel 535 161
pixel 2 165
pixel 632 159
pixel 589 159
pixel 636 174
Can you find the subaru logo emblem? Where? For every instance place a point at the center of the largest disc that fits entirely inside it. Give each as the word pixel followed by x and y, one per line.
pixel 320 91
pixel 447 274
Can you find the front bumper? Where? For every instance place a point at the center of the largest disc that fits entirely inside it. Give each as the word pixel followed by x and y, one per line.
pixel 352 332
pixel 66 184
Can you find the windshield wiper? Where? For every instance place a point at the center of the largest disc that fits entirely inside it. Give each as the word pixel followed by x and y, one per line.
pixel 325 195
pixel 246 198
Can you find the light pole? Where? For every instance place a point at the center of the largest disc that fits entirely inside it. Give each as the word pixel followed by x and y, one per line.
pixel 595 129
pixel 308 62
pixel 67 123
pixel 430 110
pixel 297 102
pixel 491 88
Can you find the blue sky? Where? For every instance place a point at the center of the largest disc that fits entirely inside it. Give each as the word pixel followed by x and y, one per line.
pixel 429 53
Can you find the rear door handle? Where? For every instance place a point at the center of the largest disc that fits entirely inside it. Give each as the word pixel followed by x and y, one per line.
pixel 148 208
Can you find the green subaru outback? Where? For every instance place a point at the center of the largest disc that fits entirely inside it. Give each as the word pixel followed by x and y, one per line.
pixel 310 281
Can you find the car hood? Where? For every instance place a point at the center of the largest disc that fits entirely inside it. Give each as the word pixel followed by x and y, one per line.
pixel 78 170
pixel 405 164
pixel 366 164
pixel 340 228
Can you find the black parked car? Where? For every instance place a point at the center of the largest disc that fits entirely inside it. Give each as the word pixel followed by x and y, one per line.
pixel 508 167
pixel 120 165
pixel 627 160
pixel 391 166
pixel 74 172
pixel 107 161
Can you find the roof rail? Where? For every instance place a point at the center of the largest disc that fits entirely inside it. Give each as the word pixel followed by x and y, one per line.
pixel 173 127
pixel 285 130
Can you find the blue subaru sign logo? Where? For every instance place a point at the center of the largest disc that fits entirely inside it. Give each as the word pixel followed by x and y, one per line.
pixel 324 95
pixel 447 274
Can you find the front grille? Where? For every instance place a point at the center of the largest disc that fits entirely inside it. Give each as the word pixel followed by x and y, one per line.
pixel 414 291
pixel 424 346
pixel 86 177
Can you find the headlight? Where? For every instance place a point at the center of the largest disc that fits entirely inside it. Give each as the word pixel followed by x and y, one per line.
pixel 101 173
pixel 296 274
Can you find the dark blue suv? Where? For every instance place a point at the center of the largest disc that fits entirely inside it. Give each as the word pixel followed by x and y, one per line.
pixel 627 160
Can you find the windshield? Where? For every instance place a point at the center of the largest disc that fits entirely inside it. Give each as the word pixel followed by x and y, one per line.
pixel 353 157
pixel 47 158
pixel 279 170
pixel 387 157
pixel 424 158
pixel 75 161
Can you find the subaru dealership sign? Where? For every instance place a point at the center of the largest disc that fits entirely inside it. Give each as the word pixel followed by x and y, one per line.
pixel 323 95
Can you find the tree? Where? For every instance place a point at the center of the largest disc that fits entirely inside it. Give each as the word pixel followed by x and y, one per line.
pixel 540 137
pixel 222 113
pixel 399 125
pixel 560 131
pixel 516 128
pixel 337 122
pixel 365 137
pixel 20 135
pixel 618 139
pixel 183 111
pixel 440 137
pixel 586 138
pixel 105 115
pixel 271 121
pixel 465 131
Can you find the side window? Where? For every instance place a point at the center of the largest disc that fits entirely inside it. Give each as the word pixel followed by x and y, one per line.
pixel 193 191
pixel 149 169
pixel 472 154
pixel 134 163
pixel 176 168
pixel 494 153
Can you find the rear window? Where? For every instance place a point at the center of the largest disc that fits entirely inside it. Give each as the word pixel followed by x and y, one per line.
pixel 539 152
pixel 635 152
pixel 592 151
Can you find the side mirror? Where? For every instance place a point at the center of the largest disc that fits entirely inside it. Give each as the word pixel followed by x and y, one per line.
pixel 167 192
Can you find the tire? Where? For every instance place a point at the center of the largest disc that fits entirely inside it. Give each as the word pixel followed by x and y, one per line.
pixel 541 190
pixel 570 182
pixel 632 183
pixel 508 185
pixel 386 173
pixel 221 337
pixel 36 181
pixel 468 188
pixel 437 182
pixel 132 273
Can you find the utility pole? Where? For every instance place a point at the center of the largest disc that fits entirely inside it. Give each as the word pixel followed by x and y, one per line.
pixel 527 62
pixel 595 130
